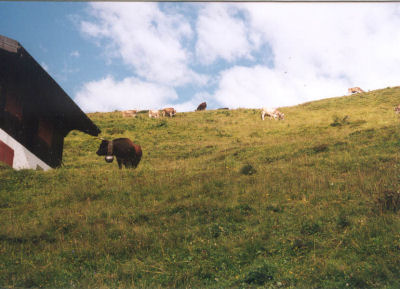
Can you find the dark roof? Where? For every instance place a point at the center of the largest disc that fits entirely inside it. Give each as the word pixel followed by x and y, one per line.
pixel 48 96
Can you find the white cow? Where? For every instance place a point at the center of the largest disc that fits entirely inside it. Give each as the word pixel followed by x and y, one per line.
pixel 272 113
pixel 154 113
pixel 129 113
pixel 397 109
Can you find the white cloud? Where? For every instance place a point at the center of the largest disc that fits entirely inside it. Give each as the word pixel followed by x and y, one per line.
pixel 147 39
pixel 261 86
pixel 319 51
pixel 130 93
pixel 357 42
pixel 221 34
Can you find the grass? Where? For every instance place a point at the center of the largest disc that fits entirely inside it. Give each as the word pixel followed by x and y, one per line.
pixel 221 199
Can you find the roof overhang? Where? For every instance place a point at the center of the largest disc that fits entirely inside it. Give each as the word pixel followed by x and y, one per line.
pixel 52 99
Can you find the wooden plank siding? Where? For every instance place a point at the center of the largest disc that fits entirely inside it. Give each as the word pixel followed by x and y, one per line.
pixel 34 109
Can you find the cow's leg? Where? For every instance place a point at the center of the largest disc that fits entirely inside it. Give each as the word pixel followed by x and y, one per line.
pixel 135 161
pixel 128 163
pixel 119 163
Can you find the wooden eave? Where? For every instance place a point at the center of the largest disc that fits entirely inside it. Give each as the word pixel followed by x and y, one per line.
pixel 48 96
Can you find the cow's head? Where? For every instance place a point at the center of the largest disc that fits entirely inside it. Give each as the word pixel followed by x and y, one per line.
pixel 106 149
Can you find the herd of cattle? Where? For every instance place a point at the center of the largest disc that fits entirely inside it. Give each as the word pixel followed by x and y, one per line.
pixel 170 111
pixel 129 154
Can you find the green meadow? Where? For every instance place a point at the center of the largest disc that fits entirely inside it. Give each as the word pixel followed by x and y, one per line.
pixel 220 199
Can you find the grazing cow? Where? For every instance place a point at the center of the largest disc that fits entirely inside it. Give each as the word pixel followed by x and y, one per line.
pixel 355 90
pixel 154 113
pixel 129 113
pixel 202 106
pixel 272 113
pixel 170 111
pixel 280 115
pixel 397 109
pixel 126 152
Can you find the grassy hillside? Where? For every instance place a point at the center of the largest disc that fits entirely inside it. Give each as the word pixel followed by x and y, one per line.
pixel 221 199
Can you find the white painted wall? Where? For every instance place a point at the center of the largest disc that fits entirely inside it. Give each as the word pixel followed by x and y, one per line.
pixel 23 159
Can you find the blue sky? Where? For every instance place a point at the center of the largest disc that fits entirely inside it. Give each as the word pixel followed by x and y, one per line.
pixel 49 31
pixel 110 56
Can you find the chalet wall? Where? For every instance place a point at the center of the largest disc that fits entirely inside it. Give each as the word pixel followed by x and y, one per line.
pixel 23 158
pixel 26 116
pixel 35 112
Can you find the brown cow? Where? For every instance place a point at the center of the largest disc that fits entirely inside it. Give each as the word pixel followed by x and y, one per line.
pixel 202 106
pixel 129 113
pixel 127 153
pixel 170 111
pixel 397 109
pixel 355 90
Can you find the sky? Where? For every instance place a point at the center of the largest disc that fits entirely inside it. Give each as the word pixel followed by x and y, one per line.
pixel 151 55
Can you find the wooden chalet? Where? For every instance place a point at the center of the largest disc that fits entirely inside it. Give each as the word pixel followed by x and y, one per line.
pixel 35 112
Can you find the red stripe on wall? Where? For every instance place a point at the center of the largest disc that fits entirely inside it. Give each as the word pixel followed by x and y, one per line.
pixel 6 154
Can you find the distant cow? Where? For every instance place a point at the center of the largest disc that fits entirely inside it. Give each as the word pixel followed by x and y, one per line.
pixel 272 113
pixel 355 90
pixel 397 109
pixel 280 115
pixel 126 152
pixel 154 113
pixel 129 113
pixel 202 106
pixel 170 111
